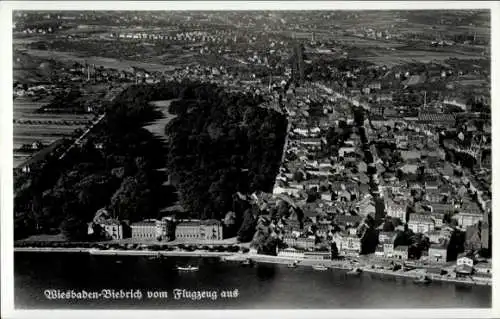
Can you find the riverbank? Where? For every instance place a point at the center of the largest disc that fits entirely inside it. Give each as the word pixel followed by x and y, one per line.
pixel 119 252
pixel 434 277
pixel 240 257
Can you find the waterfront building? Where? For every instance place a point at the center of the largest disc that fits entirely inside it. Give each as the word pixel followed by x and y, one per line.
pixel 464 267
pixel 379 251
pixel 348 244
pixel 438 253
pixel 206 230
pixel 144 230
pixel 165 228
pixel 291 253
pixel 112 228
pixel 317 255
pixel 400 253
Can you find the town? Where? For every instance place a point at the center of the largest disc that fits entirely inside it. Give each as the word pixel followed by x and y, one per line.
pixel 386 158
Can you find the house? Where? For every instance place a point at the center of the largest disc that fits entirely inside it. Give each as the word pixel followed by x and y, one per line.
pixel 435 236
pixel 365 206
pixel 438 253
pixel 386 236
pixel 396 210
pixel 421 223
pixel 431 185
pixel 306 243
pixel 379 251
pixel 400 252
pixel 347 220
pixel 438 219
pixel 113 228
pixel 464 267
pixel 348 244
pixel 465 219
pixel 343 151
pixel 410 155
pixel 473 237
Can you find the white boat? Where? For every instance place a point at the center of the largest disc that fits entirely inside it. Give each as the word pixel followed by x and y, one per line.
pixel 422 280
pixel 319 267
pixel 292 265
pixel 187 268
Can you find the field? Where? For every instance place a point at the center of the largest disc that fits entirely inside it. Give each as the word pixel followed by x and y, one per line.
pixel 158 126
pixel 118 64
pixel 394 57
pixel 30 127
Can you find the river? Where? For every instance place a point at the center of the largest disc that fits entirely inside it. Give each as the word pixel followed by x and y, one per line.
pixel 264 286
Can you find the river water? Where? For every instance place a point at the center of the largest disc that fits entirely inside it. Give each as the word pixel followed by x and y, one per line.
pixel 236 287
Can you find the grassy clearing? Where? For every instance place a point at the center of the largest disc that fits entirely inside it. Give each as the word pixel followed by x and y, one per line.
pixel 158 126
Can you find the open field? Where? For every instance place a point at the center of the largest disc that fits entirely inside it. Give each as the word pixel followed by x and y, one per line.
pixel 158 127
pixel 47 128
pixel 118 64
pixel 396 57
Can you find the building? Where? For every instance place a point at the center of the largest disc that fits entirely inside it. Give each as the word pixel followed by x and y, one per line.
pixel 396 210
pixel 465 219
pixel 438 219
pixel 464 267
pixel 206 230
pixel 291 253
pixel 379 251
pixel 347 244
pixel 165 228
pixel 435 236
pixel 144 230
pixel 317 255
pixel 400 253
pixel 387 236
pixel 112 228
pixel 441 119
pixel 438 253
pixel 421 223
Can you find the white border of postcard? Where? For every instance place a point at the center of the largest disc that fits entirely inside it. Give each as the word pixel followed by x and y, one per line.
pixel 7 7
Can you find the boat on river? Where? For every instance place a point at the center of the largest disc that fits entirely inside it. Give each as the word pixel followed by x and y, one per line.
pixel 247 262
pixel 187 268
pixel 292 265
pixel 320 267
pixel 422 280
pixel 354 272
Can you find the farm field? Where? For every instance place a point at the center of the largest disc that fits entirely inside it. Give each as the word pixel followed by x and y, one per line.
pixel 396 57
pixel 118 64
pixel 158 126
pixel 46 128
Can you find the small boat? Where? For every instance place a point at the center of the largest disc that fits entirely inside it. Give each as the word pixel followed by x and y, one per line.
pixel 422 280
pixel 355 272
pixel 247 262
pixel 292 265
pixel 319 267
pixel 118 261
pixel 187 268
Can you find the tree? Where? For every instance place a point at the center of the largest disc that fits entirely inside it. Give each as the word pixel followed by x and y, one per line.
pixel 247 229
pixel 334 250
